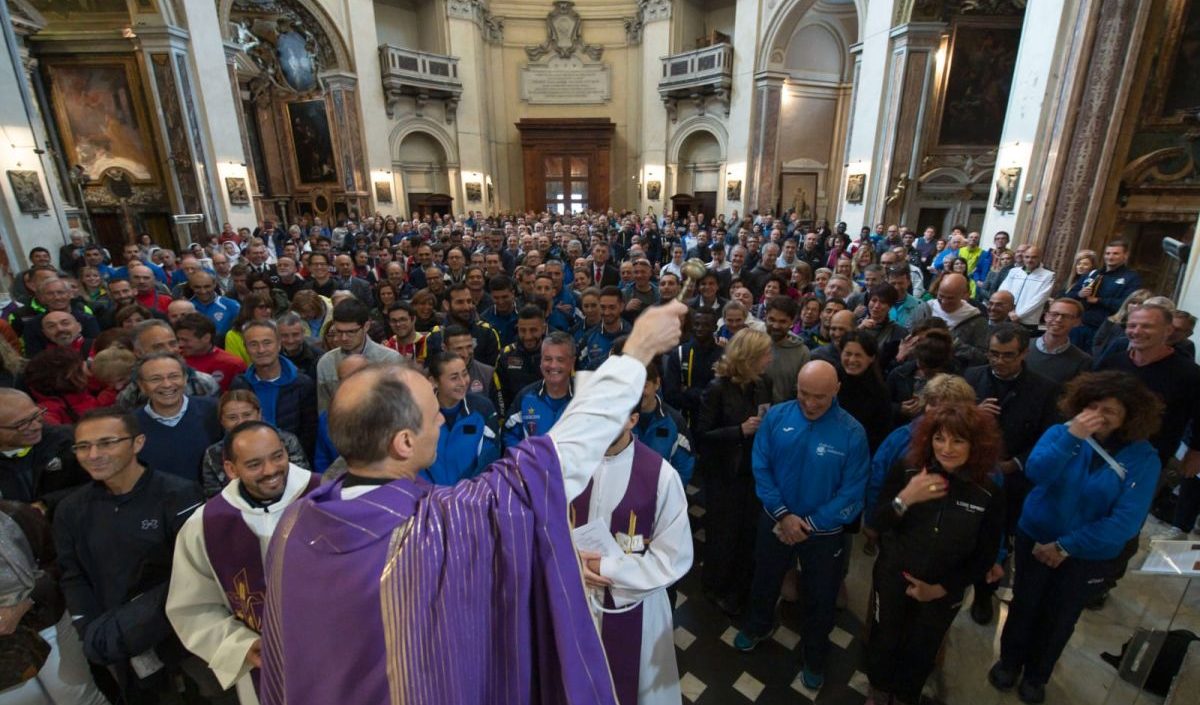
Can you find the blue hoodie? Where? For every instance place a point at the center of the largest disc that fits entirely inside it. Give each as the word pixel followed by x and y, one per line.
pixel 468 442
pixel 663 430
pixel 816 470
pixel 268 392
pixel 1081 502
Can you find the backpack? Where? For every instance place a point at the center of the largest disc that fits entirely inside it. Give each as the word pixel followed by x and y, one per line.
pixel 1166 665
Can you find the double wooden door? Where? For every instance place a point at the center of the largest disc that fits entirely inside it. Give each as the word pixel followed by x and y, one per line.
pixel 566 163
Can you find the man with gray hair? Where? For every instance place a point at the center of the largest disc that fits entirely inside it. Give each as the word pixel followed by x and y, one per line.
pixel 157 336
pixel 179 428
pixel 536 408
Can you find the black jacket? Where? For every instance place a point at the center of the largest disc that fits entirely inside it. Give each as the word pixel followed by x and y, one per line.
pixel 306 359
pixel 1026 407
pixel 686 373
pixel 48 473
pixel 516 369
pixel 717 426
pixel 115 554
pixel 951 541
pixel 295 409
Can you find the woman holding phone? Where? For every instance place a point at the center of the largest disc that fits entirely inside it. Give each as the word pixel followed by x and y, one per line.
pixel 941 520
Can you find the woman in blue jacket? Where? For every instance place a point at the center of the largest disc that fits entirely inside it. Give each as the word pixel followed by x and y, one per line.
pixel 1094 479
pixel 469 439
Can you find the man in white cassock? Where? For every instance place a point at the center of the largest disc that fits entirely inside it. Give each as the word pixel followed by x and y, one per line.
pixel 637 498
pixel 218 586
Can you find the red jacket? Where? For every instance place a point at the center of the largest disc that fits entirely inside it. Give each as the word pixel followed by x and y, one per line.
pixel 223 366
pixel 154 301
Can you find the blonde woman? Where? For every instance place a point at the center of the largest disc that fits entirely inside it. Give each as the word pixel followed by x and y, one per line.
pixel 1085 261
pixel 730 411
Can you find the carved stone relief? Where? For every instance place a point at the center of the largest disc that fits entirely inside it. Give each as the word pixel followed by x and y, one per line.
pixel 284 41
pixel 564 35
pixel 179 156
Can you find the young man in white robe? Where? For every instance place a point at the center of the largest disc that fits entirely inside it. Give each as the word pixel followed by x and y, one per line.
pixel 218 586
pixel 639 499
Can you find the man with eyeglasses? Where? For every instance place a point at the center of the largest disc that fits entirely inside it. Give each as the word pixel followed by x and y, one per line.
pixel 115 537
pixel 348 331
pixel 405 338
pixel 178 428
pixel 1023 403
pixel 37 466
pixel 1053 356
pixel 218 586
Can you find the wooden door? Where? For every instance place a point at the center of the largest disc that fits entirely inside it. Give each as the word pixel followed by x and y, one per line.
pixel 566 163
pixel 705 202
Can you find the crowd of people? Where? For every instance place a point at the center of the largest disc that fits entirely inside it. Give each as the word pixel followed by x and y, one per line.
pixel 977 417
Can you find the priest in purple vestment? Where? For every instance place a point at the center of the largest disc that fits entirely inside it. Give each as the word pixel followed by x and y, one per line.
pixel 382 588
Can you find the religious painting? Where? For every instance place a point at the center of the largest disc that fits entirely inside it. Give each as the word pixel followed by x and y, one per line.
pixel 312 142
pixel 653 190
pixel 733 190
pixel 474 191
pixel 27 191
pixel 491 190
pixel 1184 91
pixel 100 116
pixel 980 68
pixel 855 187
pixel 239 195
pixel 383 191
pixel 798 193
pixel 296 61
pixel 1007 182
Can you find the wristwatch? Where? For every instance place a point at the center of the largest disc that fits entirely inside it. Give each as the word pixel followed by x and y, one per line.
pixel 899 506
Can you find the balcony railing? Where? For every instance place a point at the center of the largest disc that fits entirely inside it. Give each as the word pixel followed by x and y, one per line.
pixel 420 75
pixel 697 75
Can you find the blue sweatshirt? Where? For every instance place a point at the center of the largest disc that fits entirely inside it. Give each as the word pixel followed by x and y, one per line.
pixel 1081 502
pixel 663 431
pixel 533 412
pixel 816 470
pixel 468 443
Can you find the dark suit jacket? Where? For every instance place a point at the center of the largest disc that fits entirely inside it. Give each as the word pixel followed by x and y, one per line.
pixel 1026 411
pixel 610 277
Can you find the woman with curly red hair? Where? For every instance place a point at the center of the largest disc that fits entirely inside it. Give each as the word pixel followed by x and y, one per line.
pixel 940 520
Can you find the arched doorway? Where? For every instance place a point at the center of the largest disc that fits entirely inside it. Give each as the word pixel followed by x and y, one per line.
pixel 797 160
pixel 424 175
pixel 698 171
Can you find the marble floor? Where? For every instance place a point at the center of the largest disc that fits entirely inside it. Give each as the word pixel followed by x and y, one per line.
pixel 713 673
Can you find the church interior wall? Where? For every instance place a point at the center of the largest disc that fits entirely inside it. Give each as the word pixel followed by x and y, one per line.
pixel 397 22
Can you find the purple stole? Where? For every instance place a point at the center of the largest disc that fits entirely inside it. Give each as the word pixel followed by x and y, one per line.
pixel 622 632
pixel 238 564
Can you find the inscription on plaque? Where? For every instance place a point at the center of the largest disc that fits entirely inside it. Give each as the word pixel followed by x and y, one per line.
pixel 559 83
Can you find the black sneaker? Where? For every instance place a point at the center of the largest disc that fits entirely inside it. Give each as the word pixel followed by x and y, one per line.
pixel 1097 603
pixel 982 610
pixel 1001 678
pixel 1032 693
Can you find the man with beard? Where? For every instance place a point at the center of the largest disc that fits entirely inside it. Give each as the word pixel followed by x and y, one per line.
pixel 788 352
pixel 462 312
pixel 218 586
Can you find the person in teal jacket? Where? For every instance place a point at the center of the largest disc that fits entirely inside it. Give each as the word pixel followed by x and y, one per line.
pixel 1094 479
pixel 470 437
pixel 811 462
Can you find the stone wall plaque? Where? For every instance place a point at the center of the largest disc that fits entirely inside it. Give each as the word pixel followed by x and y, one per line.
pixel 565 82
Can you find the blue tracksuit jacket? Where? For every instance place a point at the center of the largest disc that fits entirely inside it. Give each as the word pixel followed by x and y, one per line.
pixel 468 444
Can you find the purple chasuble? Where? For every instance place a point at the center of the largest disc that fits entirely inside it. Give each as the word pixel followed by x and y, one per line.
pixel 238 564
pixel 621 632
pixel 427 595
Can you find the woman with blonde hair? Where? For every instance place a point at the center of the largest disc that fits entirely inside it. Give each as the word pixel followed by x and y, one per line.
pixel 731 410
pixel 1113 327
pixel 1085 261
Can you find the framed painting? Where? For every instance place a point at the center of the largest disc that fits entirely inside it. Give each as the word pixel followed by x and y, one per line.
pixel 101 116
pixel 239 195
pixel 1008 180
pixel 653 190
pixel 383 191
pixel 733 190
pixel 312 142
pixel 798 192
pixel 979 74
pixel 27 191
pixel 855 187
pixel 1174 90
pixel 474 191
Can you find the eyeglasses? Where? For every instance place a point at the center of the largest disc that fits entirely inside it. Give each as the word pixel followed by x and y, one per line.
pixel 336 333
pixel 24 424
pixel 103 445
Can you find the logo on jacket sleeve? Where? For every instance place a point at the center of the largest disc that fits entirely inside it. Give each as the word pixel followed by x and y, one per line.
pixel 824 449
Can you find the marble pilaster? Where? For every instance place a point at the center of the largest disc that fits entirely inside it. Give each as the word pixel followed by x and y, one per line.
pixel 762 174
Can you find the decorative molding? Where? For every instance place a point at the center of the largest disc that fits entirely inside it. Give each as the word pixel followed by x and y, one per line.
pixel 564 35
pixel 634 26
pixel 654 10
pixel 26 20
pixel 490 26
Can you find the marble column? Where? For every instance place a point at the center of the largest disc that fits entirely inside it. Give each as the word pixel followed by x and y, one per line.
pixel 866 126
pixel 191 171
pixel 655 27
pixel 361 35
pixel 748 16
pixel 908 100
pixel 342 96
pixel 470 118
pixel 762 173
pixel 1100 57
pixel 1029 102
pixel 218 103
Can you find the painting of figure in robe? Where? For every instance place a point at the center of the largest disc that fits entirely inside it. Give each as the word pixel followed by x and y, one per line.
pixel 99 119
pixel 981 72
pixel 1184 90
pixel 312 142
